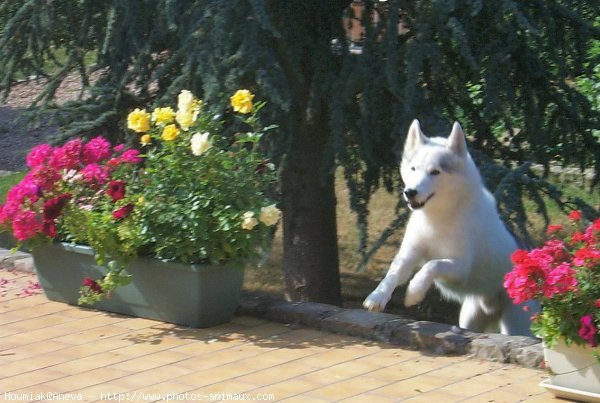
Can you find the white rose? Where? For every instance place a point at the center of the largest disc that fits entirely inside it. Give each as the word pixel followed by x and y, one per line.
pixel 249 222
pixel 270 215
pixel 200 143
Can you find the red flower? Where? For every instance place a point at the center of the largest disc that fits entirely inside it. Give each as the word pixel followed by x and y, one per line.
pixel 116 190
pixel 49 228
pixel 597 303
pixel 113 162
pixel 53 207
pixel 553 229
pixel 93 285
pixel 588 331
pixel 578 237
pixel 586 257
pixel 122 212
pixel 575 215
pixel 523 282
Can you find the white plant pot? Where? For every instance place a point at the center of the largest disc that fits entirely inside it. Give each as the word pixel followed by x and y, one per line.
pixel 575 372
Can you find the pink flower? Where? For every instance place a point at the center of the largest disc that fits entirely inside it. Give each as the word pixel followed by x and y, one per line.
pixel 67 156
pixel 122 212
pixel 43 176
pixel 38 155
pixel 25 225
pixel 560 280
pixel 588 331
pixel 131 156
pixel 95 174
pixel 26 190
pixel 553 251
pixel 96 150
pixel 575 215
pixel 592 233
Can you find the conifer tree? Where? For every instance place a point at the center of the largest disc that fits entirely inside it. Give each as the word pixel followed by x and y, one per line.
pixel 507 70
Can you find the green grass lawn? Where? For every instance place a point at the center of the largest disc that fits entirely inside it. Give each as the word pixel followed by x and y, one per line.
pixel 8 181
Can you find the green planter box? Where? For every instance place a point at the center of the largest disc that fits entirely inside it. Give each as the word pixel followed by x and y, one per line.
pixel 189 295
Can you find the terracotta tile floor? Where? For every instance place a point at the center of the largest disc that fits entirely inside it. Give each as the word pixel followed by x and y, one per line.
pixel 51 351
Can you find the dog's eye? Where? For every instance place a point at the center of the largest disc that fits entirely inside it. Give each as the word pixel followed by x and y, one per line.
pixel 434 172
pixel 413 169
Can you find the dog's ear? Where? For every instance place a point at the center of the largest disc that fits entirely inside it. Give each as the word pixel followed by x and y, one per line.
pixel 456 140
pixel 415 137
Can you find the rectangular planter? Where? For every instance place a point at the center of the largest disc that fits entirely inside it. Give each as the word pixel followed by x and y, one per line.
pixel 189 295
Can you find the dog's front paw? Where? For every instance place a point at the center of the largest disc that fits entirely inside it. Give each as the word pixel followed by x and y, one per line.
pixel 376 301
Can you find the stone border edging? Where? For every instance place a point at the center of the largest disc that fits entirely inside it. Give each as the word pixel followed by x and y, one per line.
pixel 430 337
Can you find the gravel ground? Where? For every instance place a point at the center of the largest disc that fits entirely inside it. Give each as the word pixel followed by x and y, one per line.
pixel 16 136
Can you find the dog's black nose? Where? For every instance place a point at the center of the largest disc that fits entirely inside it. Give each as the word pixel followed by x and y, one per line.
pixel 410 193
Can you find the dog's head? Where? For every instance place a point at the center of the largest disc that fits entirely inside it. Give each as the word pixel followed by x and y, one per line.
pixel 432 168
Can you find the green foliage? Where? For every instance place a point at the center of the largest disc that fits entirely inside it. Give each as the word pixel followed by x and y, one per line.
pixel 191 208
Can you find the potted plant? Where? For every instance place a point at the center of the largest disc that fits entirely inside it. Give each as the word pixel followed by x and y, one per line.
pixel 136 231
pixel 564 276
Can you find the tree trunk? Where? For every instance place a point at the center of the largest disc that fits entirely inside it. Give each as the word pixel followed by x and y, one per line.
pixel 310 252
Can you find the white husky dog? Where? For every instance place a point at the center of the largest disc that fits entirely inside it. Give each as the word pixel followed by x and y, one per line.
pixel 457 236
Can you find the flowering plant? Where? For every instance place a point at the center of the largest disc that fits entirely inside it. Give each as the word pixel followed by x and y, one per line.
pixel 192 194
pixel 564 276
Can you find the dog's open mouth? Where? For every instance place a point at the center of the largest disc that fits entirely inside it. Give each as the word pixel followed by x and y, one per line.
pixel 415 205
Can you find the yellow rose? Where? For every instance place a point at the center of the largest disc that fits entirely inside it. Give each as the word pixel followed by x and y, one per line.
pixel 241 101
pixel 185 100
pixel 145 139
pixel 269 215
pixel 139 120
pixel 163 115
pixel 249 222
pixel 170 132
pixel 188 108
pixel 185 118
pixel 200 143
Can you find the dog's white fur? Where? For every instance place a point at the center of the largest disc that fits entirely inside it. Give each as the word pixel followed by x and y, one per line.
pixel 456 233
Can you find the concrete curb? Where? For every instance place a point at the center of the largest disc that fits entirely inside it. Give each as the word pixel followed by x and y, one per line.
pixel 430 337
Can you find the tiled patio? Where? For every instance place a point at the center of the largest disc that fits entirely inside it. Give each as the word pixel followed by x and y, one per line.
pixel 51 351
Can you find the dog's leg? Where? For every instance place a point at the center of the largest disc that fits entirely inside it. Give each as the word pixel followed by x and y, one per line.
pixel 400 271
pixel 448 269
pixel 516 319
pixel 476 316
